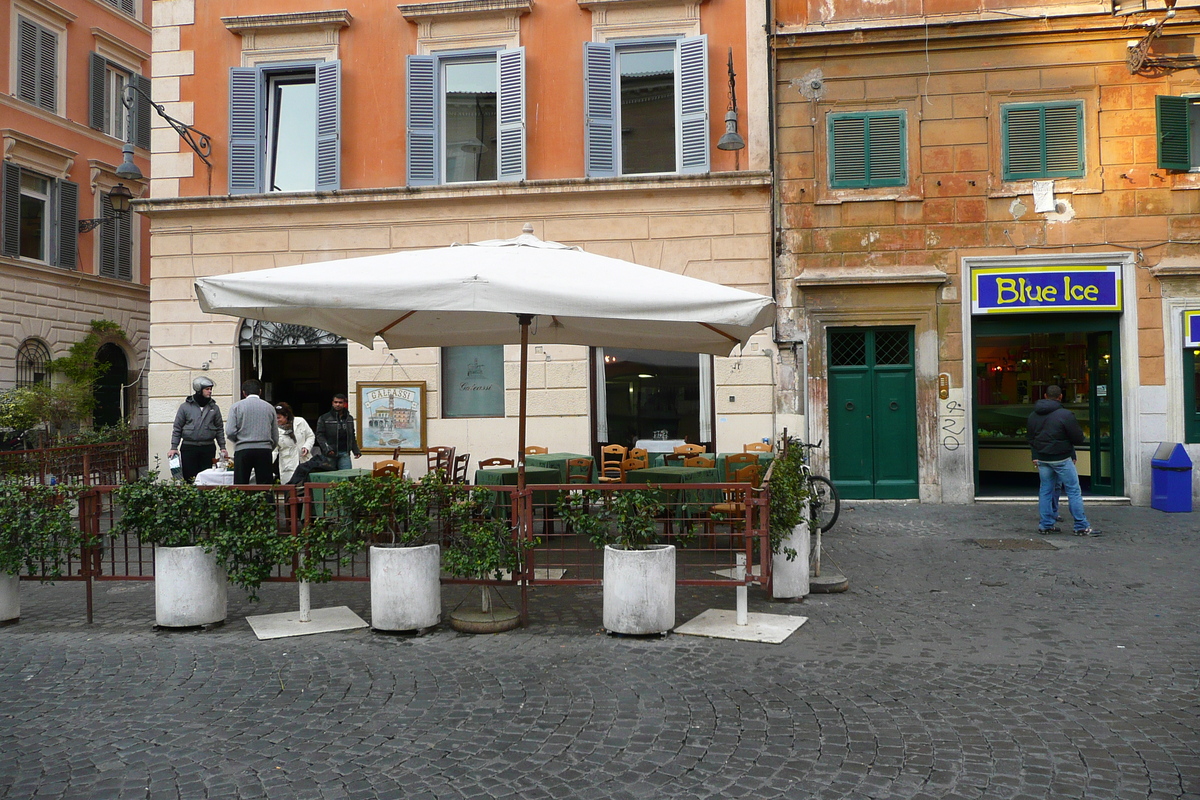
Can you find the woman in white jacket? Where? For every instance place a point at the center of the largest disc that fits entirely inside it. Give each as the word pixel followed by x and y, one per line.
pixel 295 441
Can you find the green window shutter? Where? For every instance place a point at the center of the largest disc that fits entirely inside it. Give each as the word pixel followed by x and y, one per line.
pixel 867 150
pixel 1042 141
pixel 1174 132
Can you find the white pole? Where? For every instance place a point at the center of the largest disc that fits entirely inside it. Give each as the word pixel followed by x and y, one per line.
pixel 305 597
pixel 739 574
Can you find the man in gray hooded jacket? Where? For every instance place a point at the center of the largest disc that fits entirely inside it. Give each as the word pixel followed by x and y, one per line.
pixel 197 426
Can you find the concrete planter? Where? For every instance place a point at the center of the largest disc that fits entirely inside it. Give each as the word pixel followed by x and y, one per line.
pixel 639 589
pixel 190 587
pixel 406 587
pixel 790 579
pixel 10 597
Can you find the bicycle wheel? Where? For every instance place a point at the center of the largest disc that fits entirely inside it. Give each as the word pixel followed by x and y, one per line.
pixel 824 505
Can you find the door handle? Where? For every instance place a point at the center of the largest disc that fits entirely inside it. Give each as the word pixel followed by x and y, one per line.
pixel 894 406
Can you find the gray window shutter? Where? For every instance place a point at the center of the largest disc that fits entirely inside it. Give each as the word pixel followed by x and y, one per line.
pixel 329 123
pixel 693 104
pixel 128 7
pixel 107 239
pixel 423 161
pixel 511 115
pixel 124 226
pixel 10 236
pixel 1174 132
pixel 68 224
pixel 600 109
pixel 47 70
pixel 141 112
pixel 245 131
pixel 27 60
pixel 97 72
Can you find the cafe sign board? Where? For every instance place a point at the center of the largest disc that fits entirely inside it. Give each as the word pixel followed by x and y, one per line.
pixel 1191 328
pixel 1009 290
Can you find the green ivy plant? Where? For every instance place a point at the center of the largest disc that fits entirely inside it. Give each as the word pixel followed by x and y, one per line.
pixel 789 496
pixel 626 519
pixel 37 532
pixel 479 544
pixel 237 526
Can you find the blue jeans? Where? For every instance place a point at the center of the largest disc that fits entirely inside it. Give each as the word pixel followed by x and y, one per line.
pixel 344 461
pixel 1053 473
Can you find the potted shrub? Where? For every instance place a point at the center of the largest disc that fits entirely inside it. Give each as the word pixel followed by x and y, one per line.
pixel 393 516
pixel 37 533
pixel 790 524
pixel 639 570
pixel 203 539
pixel 480 545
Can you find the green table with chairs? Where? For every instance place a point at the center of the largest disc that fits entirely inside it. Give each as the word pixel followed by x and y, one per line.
pixel 660 459
pixel 507 476
pixel 333 476
pixel 764 461
pixel 691 500
pixel 558 461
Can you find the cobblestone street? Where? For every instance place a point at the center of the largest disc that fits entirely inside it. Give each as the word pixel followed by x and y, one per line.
pixel 948 669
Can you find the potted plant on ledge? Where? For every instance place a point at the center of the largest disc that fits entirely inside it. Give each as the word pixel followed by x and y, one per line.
pixel 203 539
pixel 639 570
pixel 37 534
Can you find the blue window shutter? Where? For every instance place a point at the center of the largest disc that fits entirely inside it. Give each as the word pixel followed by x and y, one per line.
pixel 511 115
pixel 693 104
pixel 329 123
pixel 97 72
pixel 67 220
pixel 423 161
pixel 10 234
pixel 1174 132
pixel 600 109
pixel 245 131
pixel 141 112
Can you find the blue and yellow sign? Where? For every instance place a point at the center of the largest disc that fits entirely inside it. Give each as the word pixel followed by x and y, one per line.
pixel 1039 289
pixel 1191 329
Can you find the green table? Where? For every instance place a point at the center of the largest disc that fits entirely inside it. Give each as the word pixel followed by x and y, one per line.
pixel 558 461
pixel 660 459
pixel 334 476
pixel 507 476
pixel 764 461
pixel 700 498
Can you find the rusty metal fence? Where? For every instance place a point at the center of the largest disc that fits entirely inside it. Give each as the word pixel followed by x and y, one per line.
pixel 83 464
pixel 707 543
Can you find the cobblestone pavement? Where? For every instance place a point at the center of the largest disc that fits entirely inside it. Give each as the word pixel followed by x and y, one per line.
pixel 947 671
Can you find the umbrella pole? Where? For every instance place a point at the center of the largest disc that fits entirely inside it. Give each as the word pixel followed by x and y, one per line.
pixel 525 525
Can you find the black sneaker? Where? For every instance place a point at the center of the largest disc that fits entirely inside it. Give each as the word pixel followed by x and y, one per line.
pixel 1048 531
pixel 1087 532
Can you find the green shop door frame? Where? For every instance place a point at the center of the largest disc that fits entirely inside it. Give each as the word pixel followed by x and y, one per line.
pixel 1103 333
pixel 873 412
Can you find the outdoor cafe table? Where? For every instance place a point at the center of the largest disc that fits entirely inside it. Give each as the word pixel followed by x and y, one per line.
pixel 764 461
pixel 557 461
pixel 693 497
pixel 333 476
pixel 660 459
pixel 215 477
pixel 507 476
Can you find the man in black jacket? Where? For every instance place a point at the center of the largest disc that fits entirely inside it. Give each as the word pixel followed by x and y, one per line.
pixel 1053 433
pixel 336 435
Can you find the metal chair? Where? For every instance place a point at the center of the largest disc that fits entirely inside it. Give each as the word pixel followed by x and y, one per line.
pixel 461 462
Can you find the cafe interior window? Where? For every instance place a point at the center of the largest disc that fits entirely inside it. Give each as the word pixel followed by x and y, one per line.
pixel 1191 394
pixel 650 394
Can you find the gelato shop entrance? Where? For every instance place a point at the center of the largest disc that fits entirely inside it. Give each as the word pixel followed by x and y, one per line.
pixel 1015 358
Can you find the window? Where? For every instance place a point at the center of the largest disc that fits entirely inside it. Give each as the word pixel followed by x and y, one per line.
pixel 37 64
pixel 466 117
pixel 1191 394
pixel 284 128
pixel 867 149
pixel 125 5
pixel 40 217
pixel 107 112
pixel 33 363
pixel 116 244
pixel 1042 140
pixel 1178 132
pixel 655 94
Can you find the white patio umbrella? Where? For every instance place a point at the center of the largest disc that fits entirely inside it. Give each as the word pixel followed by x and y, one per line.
pixel 509 291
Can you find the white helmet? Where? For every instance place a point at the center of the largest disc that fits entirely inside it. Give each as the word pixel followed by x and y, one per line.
pixel 200 384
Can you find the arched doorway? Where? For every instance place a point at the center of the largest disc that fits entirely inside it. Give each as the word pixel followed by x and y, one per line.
pixel 297 364
pixel 109 410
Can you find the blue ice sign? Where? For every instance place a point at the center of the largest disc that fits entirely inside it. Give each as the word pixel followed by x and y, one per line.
pixel 1039 289
pixel 1191 329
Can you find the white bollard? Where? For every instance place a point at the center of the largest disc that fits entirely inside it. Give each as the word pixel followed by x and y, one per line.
pixel 739 574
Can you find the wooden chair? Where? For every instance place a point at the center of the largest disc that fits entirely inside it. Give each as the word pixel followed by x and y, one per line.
pixel 690 449
pixel 535 450
pixel 757 447
pixel 388 466
pixel 489 463
pixel 736 461
pixel 461 462
pixel 675 460
pixel 396 454
pixel 640 452
pixel 631 464
pixel 699 461
pixel 579 470
pixel 733 506
pixel 440 459
pixel 611 456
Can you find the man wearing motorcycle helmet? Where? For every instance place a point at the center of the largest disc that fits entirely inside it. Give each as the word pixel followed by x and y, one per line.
pixel 198 426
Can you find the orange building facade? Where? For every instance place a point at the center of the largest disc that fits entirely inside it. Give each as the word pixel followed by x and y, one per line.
pixel 978 201
pixel 344 129
pixel 63 127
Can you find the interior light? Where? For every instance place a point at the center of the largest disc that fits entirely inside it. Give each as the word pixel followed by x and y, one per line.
pixel 644 375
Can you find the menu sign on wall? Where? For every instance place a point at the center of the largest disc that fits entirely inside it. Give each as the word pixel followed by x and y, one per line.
pixel 1040 289
pixel 1191 328
pixel 473 381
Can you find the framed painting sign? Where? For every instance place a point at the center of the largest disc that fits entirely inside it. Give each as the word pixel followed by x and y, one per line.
pixel 391 414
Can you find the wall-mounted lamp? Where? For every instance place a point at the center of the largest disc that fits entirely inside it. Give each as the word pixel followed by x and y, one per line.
pixel 120 199
pixel 199 142
pixel 731 140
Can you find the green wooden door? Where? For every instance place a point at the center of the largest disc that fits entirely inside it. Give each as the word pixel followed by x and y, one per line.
pixel 872 413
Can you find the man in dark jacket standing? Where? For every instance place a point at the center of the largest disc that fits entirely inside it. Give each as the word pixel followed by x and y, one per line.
pixel 197 425
pixel 254 429
pixel 1053 433
pixel 336 435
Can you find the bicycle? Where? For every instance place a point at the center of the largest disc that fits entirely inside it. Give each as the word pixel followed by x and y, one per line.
pixel 824 505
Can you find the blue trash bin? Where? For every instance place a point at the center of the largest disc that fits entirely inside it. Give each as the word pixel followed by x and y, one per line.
pixel 1171 478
